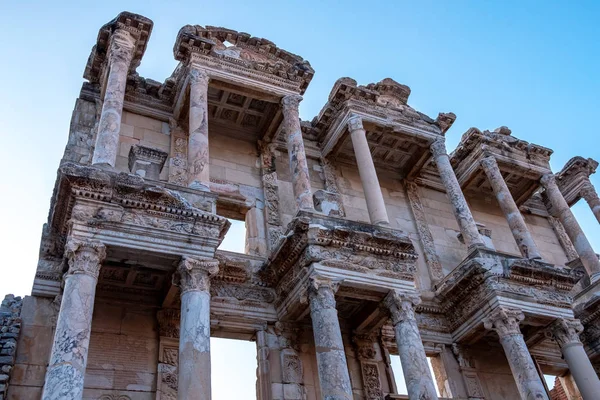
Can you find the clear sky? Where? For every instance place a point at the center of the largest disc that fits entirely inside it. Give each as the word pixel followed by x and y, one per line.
pixel 529 65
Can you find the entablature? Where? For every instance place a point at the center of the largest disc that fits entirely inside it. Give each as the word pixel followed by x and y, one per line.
pixel 571 180
pixel 522 164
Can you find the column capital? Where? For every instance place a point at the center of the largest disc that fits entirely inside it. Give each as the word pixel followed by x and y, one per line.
pixel 588 191
pixel 401 305
pixel 122 45
pixel 194 274
pixel 85 256
pixel 325 298
pixel 291 102
pixel 505 321
pixel 565 331
pixel 355 123
pixel 548 180
pixel 198 75
pixel 438 147
pixel 489 162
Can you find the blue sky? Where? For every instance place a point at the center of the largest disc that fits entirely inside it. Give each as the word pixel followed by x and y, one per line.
pixel 529 65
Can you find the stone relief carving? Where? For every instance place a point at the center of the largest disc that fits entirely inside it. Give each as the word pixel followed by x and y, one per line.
pixel 194 274
pixel 372 381
pixel 291 367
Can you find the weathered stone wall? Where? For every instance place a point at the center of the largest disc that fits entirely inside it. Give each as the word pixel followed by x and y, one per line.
pixel 82 132
pixel 494 373
pixel 10 327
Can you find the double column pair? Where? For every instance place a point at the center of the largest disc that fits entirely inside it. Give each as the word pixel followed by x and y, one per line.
pixel 66 370
pixel 505 322
pixel 331 360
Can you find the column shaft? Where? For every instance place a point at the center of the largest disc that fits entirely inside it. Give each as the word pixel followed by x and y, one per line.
pixel 368 175
pixel 506 323
pixel 295 144
pixel 198 159
pixel 461 210
pixel 194 333
pixel 68 360
pixel 588 192
pixel 566 333
pixel 511 212
pixel 587 255
pixel 417 375
pixel 334 378
pixel 122 46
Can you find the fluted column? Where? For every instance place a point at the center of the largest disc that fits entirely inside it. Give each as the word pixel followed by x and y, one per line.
pixel 68 360
pixel 566 333
pixel 122 46
pixel 505 322
pixel 461 210
pixel 417 375
pixel 366 170
pixel 193 277
pixel 334 378
pixel 513 216
pixel 198 161
pixel 297 154
pixel 588 192
pixel 561 209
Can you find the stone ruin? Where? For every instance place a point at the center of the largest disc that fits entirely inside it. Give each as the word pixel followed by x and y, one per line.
pixel 364 239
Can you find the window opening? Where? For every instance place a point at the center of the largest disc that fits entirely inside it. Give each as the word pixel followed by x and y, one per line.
pixel 399 375
pixel 233 369
pixel 235 239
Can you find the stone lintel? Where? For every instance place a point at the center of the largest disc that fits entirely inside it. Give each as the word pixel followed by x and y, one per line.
pixel 146 162
pixel 140 29
pixel 574 176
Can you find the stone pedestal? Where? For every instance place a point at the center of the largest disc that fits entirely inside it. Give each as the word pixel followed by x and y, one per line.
pixel 461 210
pixel 198 161
pixel 566 333
pixel 366 170
pixel 511 212
pixel 194 333
pixel 506 323
pixel 561 209
pixel 122 45
pixel 334 378
pixel 295 145
pixel 588 192
pixel 417 375
pixel 66 370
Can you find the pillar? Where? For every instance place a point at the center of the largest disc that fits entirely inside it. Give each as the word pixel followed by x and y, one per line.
pixel 566 333
pixel 332 367
pixel 366 170
pixel 505 322
pixel 561 209
pixel 588 192
pixel 198 161
pixel 297 154
pixel 68 360
pixel 194 333
pixel 417 375
pixel 122 46
pixel 513 216
pixel 461 210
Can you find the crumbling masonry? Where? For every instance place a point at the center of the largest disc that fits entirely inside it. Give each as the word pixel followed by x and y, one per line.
pixel 365 239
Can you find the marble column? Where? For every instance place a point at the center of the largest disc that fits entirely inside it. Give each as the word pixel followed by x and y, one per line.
pixel 198 160
pixel 566 333
pixel 561 209
pixel 513 216
pixel 332 367
pixel 461 210
pixel 297 154
pixel 122 46
pixel 68 360
pixel 588 192
pixel 417 375
pixel 193 277
pixel 505 321
pixel 366 170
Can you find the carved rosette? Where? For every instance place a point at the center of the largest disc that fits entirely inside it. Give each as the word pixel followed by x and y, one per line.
pixel 355 123
pixel 401 306
pixel 566 331
pixel 85 257
pixel 194 274
pixel 505 321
